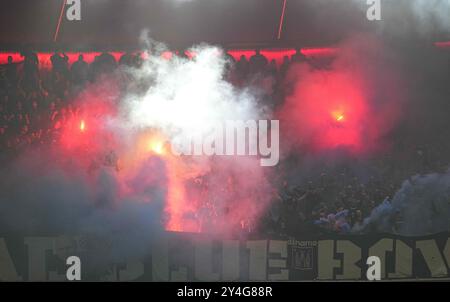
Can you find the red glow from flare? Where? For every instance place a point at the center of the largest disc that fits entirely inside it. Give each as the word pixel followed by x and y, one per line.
pixel 44 57
pixel 338 116
pixel 270 54
pixel 178 205
pixel 445 44
pixel 319 52
pixel 236 54
pixel 83 132
pixel 277 54
pixel 167 55
pixel 155 144
pixel 157 147
pixel 316 111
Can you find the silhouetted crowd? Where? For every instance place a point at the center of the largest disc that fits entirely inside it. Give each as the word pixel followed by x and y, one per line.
pixel 34 103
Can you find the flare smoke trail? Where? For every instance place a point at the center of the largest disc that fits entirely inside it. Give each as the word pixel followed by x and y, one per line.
pixel 189 96
pixel 111 175
pixel 413 18
pixel 351 105
pixel 421 206
pixel 114 177
pixel 378 100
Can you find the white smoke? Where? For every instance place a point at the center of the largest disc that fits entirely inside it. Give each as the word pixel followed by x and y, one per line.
pixel 188 96
pixel 432 14
pixel 42 197
pixel 416 18
pixel 420 207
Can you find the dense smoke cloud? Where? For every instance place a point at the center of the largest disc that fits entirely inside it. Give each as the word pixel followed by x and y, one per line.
pixel 118 180
pixel 379 100
pixel 421 206
pixel 104 176
pixel 432 15
pixel 416 20
pixel 189 97
pixel 353 104
pixel 412 18
pixel 47 194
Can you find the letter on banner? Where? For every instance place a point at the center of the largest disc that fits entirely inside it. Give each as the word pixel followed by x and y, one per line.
pixel 37 262
pixel 258 259
pixel 326 262
pixel 351 255
pixel 280 248
pixel 204 261
pixel 433 257
pixel 230 260
pixel 7 269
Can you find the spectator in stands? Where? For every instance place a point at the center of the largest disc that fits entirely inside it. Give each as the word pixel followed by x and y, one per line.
pixel 30 82
pixel 79 71
pixel 138 60
pixel 273 70
pixel 103 64
pixel 11 71
pixel 358 222
pixel 4 83
pixel 258 62
pixel 37 107
pixel 298 57
pixel 242 68
pixel 126 59
pixel 60 85
pixel 322 220
pixel 230 69
pixel 30 64
pixel 284 66
pixel 343 221
pixel 182 54
pixel 60 63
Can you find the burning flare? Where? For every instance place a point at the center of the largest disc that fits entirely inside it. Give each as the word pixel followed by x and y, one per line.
pixel 82 126
pixel 338 116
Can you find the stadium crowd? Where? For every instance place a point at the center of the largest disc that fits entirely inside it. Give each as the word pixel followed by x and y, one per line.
pixel 34 104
